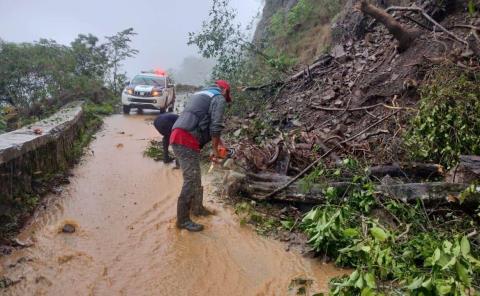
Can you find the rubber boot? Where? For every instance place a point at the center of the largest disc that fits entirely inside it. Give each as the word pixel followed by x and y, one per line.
pixel 183 217
pixel 197 205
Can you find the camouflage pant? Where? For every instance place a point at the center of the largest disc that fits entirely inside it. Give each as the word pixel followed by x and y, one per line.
pixel 192 190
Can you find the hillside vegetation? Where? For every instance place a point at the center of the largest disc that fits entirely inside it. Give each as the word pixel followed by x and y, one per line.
pixel 38 78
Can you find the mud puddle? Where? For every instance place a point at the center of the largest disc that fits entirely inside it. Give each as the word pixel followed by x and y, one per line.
pixel 122 208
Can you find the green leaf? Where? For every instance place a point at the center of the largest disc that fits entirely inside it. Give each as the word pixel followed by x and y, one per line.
pixel 359 283
pixel 465 246
pixel 416 283
pixel 427 284
pixel 370 279
pixel 366 249
pixel 368 292
pixel 353 277
pixel 378 233
pixel 447 247
pixel 443 288
pixel 350 232
pixel 462 273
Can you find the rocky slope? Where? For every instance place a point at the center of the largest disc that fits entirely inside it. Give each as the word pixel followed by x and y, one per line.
pixel 358 97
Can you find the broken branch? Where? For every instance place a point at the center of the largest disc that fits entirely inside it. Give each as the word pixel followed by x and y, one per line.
pixel 429 18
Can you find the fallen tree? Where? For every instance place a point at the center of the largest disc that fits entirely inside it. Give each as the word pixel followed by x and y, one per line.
pixel 258 187
pixel 404 36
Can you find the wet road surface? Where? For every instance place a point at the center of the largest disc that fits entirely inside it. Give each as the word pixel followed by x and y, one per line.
pixel 123 206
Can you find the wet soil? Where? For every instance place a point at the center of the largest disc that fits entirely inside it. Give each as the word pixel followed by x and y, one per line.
pixel 122 207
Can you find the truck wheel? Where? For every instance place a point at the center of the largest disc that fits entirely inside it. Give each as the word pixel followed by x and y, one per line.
pixel 126 109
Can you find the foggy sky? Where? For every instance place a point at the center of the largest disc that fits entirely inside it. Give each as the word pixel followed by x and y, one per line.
pixel 162 25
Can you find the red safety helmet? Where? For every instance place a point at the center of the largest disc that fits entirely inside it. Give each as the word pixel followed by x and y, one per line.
pixel 225 85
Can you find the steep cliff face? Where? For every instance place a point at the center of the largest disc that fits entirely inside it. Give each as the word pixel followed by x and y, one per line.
pixel 297 30
pixel 269 9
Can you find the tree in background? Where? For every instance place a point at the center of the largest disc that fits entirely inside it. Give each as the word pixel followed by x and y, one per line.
pixel 238 60
pixel 119 49
pixel 224 39
pixel 37 78
pixel 90 57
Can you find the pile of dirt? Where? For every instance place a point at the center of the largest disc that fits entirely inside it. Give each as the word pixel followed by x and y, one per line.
pixel 356 100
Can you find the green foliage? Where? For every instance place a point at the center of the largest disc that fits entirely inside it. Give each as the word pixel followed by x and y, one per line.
pixel 471 7
pixel 302 11
pixel 3 122
pixel 289 33
pixel 119 49
pixel 38 78
pixel 249 215
pixel 448 121
pixel 238 60
pixel 154 150
pixel 418 255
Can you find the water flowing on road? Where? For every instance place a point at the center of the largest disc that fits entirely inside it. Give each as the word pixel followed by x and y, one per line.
pixel 123 206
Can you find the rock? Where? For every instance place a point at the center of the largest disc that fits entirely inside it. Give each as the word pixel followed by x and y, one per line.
pixel 237 132
pixel 338 51
pixel 68 228
pixel 467 171
pixel 329 94
pixel 296 123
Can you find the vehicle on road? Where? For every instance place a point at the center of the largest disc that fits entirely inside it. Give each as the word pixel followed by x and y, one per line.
pixel 149 90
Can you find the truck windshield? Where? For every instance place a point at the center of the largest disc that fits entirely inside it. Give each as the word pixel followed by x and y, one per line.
pixel 149 80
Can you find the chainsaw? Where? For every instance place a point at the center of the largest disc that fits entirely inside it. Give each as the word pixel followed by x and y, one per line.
pixel 224 153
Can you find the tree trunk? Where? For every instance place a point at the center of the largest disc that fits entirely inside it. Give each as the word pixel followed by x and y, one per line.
pixel 258 187
pixel 409 170
pixel 404 36
pixel 467 171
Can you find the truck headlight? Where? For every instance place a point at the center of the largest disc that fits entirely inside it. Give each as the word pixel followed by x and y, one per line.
pixel 156 93
pixel 128 91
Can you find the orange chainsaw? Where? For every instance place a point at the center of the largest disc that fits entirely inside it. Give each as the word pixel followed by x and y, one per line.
pixel 224 153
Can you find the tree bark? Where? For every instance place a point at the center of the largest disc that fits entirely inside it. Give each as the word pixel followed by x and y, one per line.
pixel 404 36
pixel 409 170
pixel 467 171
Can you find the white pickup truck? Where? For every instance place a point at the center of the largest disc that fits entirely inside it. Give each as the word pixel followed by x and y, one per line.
pixel 149 91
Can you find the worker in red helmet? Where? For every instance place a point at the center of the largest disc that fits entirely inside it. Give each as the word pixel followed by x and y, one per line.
pixel 200 122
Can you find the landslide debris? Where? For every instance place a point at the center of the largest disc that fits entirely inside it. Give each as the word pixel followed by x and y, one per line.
pixel 358 83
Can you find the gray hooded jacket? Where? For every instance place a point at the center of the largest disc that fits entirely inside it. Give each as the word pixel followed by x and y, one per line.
pixel 203 115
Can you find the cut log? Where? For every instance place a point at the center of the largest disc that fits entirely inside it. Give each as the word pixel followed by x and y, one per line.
pixel 435 192
pixel 409 170
pixel 404 36
pixel 427 192
pixel 467 171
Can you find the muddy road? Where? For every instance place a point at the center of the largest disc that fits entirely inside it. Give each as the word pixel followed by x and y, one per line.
pixel 123 206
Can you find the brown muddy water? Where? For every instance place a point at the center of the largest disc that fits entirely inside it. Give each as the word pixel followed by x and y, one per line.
pixel 123 206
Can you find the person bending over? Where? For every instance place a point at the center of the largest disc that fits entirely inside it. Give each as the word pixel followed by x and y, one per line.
pixel 200 122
